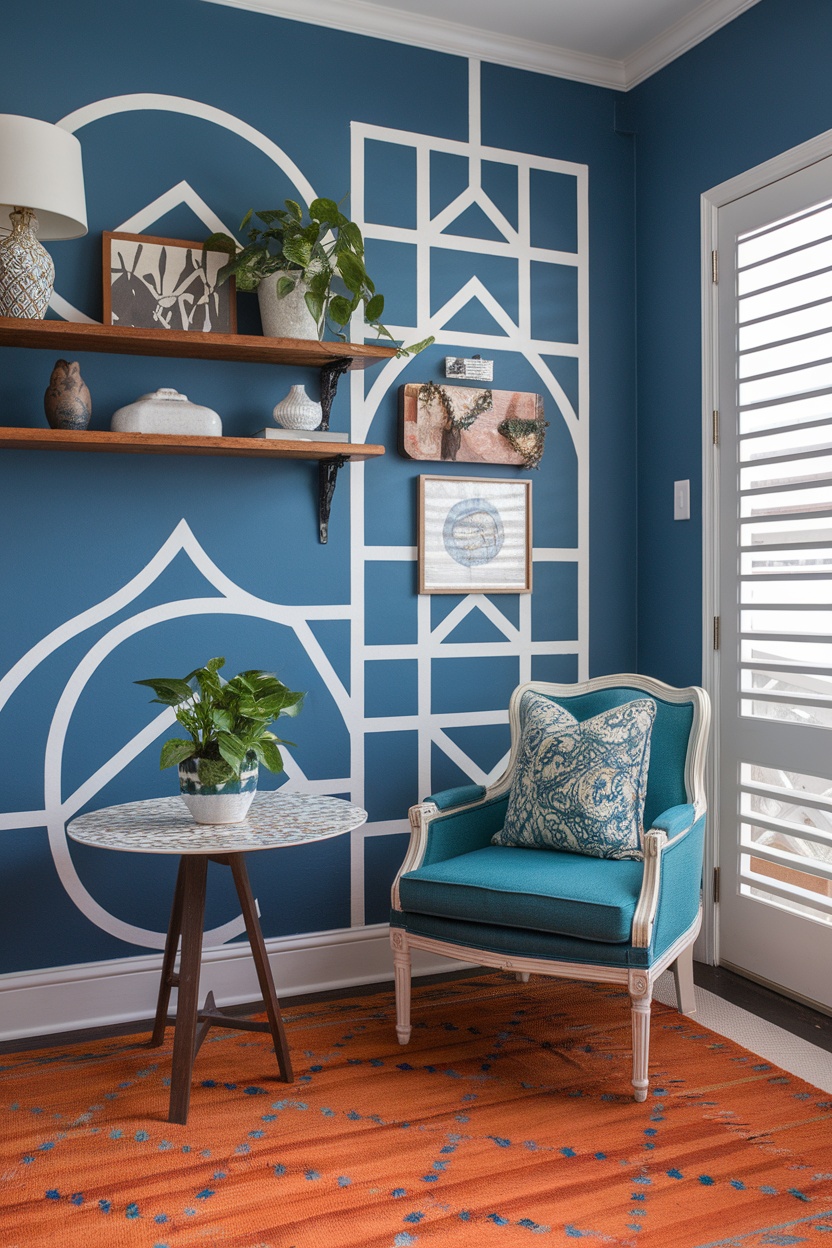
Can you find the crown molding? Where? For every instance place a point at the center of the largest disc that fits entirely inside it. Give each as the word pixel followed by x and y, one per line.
pixel 680 37
pixel 374 20
pixel 360 18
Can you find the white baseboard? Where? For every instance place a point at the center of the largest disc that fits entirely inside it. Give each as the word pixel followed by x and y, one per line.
pixel 95 994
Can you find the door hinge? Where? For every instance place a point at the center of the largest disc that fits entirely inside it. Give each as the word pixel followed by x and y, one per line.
pixel 715 267
pixel 716 632
pixel 716 427
pixel 716 886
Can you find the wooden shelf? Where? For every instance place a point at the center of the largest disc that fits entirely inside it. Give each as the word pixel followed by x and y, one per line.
pixel 244 348
pixel 332 358
pixel 174 444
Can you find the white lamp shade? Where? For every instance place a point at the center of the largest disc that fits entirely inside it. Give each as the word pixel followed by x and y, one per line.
pixel 40 168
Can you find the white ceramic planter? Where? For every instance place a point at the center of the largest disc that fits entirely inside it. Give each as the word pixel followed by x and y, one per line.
pixel 297 410
pixel 166 411
pixel 220 803
pixel 288 317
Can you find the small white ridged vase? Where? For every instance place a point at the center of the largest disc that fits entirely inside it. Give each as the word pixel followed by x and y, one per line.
pixel 297 410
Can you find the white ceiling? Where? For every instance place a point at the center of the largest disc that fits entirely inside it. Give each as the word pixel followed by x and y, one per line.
pixel 612 43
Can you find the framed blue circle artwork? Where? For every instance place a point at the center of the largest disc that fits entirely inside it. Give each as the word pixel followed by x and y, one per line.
pixel 473 532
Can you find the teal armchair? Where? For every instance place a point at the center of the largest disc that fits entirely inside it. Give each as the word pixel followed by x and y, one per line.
pixel 559 913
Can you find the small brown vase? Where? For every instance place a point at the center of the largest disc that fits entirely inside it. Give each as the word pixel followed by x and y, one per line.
pixel 67 400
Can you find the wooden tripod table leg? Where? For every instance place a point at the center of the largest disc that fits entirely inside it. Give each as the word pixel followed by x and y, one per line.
pixel 194 869
pixel 169 979
pixel 261 962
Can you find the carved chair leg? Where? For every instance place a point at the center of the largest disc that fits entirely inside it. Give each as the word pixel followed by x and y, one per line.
pixel 401 968
pixel 683 977
pixel 522 977
pixel 641 993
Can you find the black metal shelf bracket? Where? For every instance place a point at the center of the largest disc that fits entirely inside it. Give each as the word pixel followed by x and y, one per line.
pixel 331 374
pixel 327 478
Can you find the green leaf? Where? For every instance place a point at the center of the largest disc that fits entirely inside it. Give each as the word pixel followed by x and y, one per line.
pixel 351 235
pixel 294 209
pixel 315 304
pixel 294 705
pixel 221 242
pixel 416 348
pixel 325 211
pixel 374 308
pixel 175 751
pixel 222 719
pixel 168 692
pixel 285 286
pixel 271 215
pixel 299 251
pixel 246 219
pixel 232 749
pixel 341 309
pixel 352 271
pixel 269 755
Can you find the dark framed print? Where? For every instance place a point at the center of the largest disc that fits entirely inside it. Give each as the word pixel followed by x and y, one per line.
pixel 475 536
pixel 165 283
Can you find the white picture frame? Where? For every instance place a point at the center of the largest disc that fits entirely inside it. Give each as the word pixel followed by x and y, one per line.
pixel 474 535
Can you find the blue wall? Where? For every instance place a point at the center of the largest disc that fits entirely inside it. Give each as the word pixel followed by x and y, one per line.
pixel 78 528
pixel 754 89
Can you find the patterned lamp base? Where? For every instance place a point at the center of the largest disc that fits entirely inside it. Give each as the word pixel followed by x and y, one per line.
pixel 27 273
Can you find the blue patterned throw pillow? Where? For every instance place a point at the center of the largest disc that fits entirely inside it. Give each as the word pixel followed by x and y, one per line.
pixel 580 786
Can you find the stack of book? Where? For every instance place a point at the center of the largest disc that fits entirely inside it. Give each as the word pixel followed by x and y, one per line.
pixel 303 435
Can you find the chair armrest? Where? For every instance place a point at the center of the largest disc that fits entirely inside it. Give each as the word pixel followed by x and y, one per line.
pixel 437 835
pixel 669 829
pixel 462 795
pixel 676 820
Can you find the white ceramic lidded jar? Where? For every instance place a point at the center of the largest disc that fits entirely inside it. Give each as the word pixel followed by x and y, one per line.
pixel 297 410
pixel 166 411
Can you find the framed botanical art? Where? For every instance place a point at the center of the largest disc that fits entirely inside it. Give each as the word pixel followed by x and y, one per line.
pixel 164 283
pixel 475 536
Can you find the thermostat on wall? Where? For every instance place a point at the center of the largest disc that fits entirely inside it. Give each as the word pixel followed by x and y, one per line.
pixel 473 369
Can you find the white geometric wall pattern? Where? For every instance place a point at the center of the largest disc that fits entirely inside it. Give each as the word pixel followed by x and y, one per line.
pixel 428 236
pixel 435 231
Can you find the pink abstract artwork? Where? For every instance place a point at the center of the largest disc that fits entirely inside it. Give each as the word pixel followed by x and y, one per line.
pixel 471 425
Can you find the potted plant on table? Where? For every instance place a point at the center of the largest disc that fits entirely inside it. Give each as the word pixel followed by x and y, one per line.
pixel 308 270
pixel 228 723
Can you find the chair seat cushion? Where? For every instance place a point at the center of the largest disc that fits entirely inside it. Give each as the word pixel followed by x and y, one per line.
pixel 580 786
pixel 546 890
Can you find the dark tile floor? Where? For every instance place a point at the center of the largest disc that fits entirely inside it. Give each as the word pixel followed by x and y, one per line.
pixel 792 1016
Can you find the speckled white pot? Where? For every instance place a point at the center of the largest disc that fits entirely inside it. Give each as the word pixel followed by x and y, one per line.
pixel 288 317
pixel 297 410
pixel 221 803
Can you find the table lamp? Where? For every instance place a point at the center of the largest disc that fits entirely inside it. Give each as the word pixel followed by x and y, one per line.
pixel 42 190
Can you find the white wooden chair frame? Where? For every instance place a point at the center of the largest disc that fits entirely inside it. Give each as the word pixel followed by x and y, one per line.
pixel 638 980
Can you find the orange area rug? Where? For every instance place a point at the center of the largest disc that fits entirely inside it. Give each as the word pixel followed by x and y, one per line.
pixel 506 1121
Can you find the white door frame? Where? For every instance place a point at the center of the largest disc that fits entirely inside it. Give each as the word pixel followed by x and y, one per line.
pixel 797 158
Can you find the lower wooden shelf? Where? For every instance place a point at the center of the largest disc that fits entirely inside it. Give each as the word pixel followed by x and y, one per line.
pixel 331 456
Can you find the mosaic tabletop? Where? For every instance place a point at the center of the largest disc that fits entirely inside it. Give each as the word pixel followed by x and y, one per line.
pixel 164 825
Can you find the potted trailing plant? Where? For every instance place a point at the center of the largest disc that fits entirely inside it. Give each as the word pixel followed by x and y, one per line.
pixel 308 270
pixel 229 736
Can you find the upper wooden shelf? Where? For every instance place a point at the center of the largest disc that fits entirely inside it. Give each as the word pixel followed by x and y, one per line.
pixel 246 348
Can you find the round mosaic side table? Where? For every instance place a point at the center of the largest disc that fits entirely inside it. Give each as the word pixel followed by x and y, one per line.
pixel 164 826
